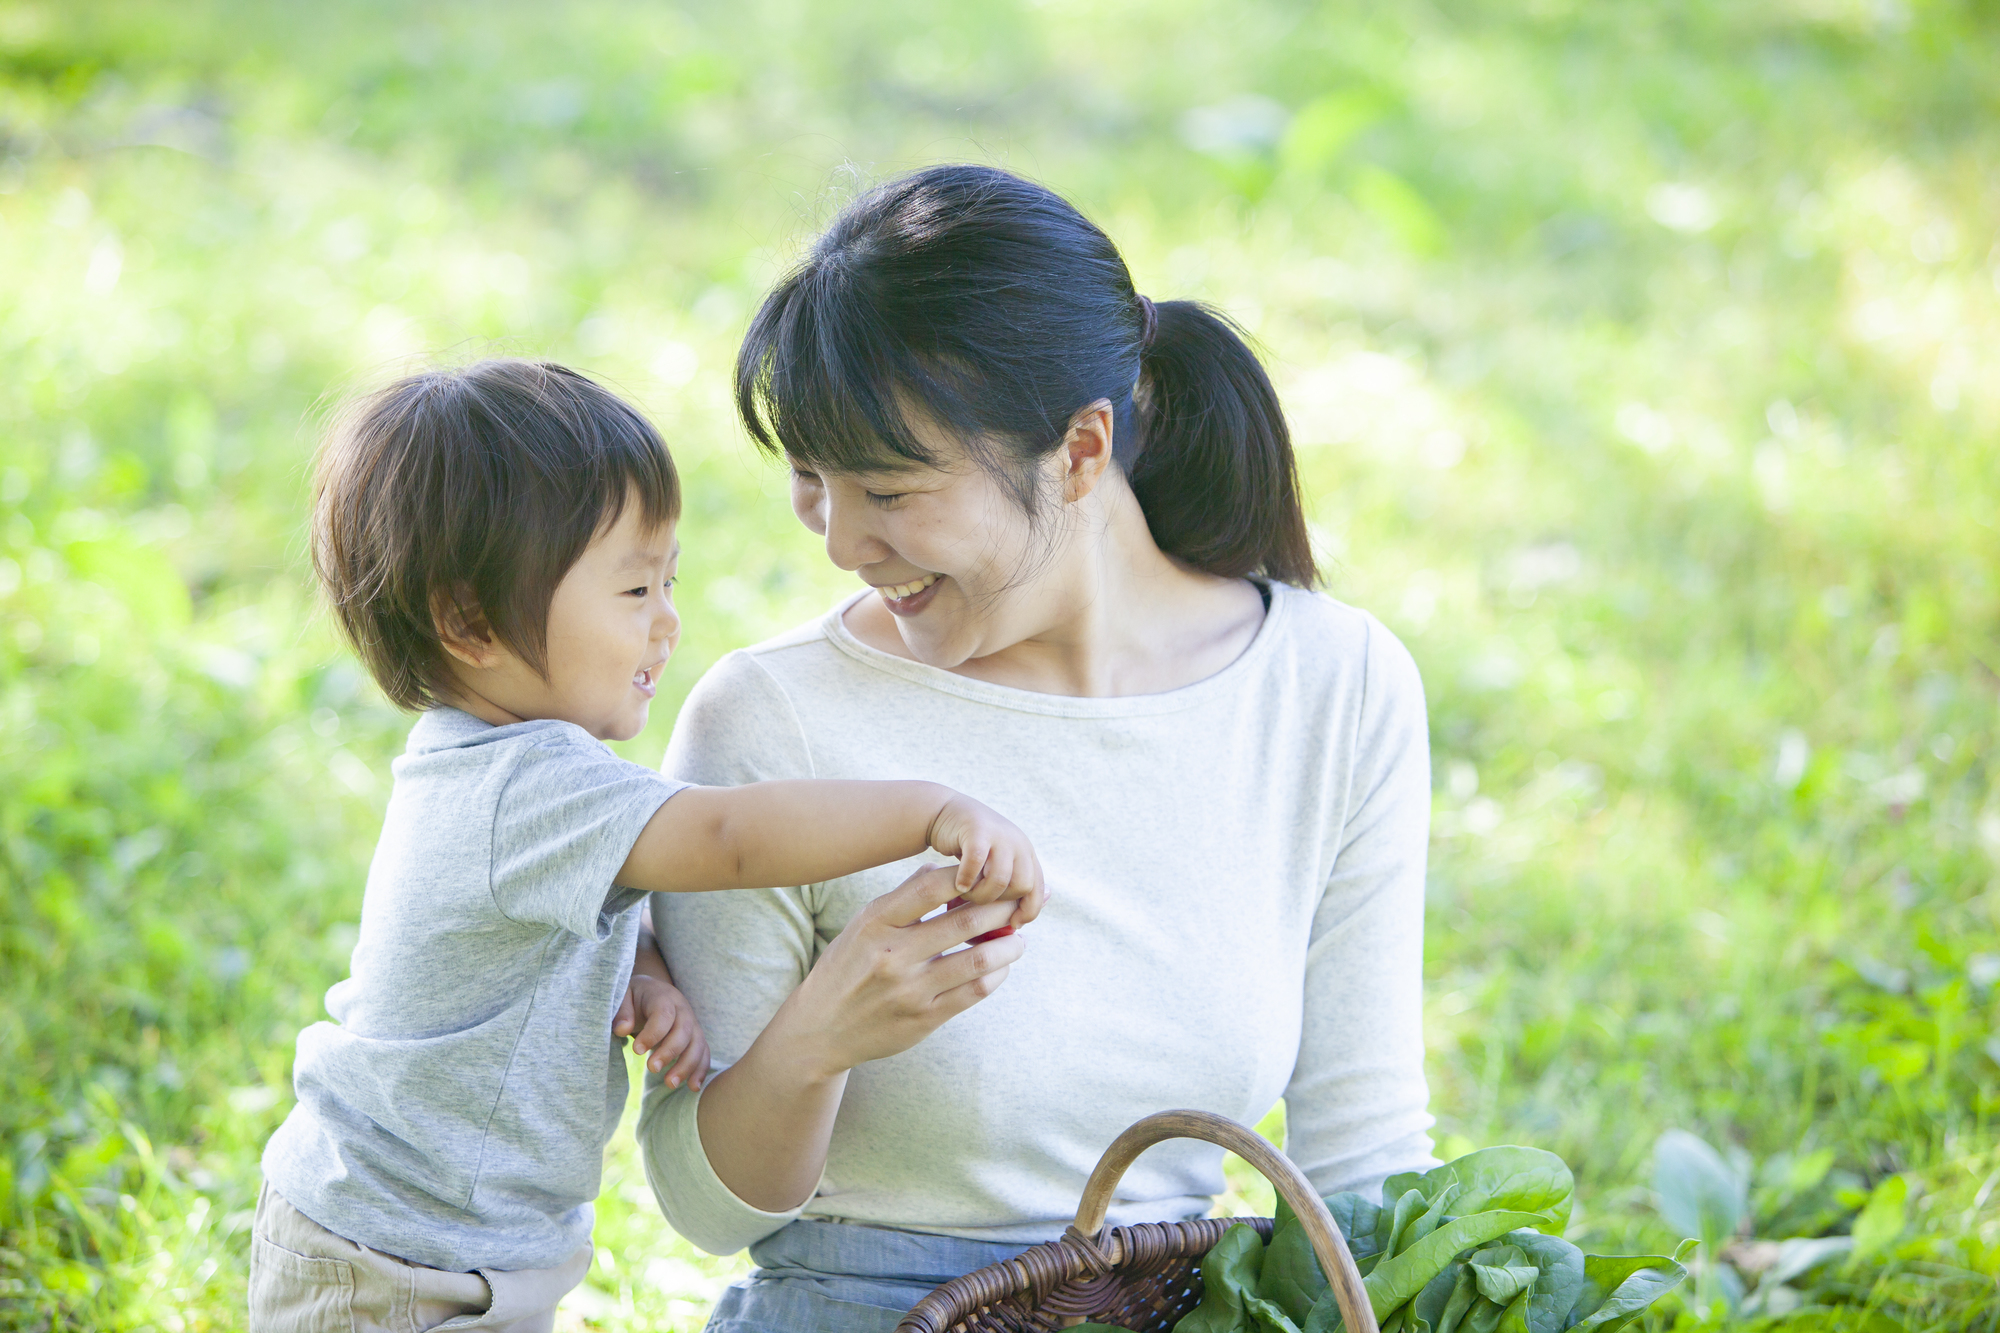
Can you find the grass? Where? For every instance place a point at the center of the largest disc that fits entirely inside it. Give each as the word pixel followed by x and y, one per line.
pixel 1643 361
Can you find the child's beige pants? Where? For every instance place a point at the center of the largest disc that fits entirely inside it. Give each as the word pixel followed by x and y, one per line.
pixel 305 1279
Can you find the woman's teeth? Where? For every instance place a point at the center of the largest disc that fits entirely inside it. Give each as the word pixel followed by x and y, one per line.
pixel 898 592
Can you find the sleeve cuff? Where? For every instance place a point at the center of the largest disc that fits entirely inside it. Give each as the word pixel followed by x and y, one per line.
pixel 693 1198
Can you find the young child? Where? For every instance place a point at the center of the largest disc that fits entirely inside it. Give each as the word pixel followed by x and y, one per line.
pixel 498 544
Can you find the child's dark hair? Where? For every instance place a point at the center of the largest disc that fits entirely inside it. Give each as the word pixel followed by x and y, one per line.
pixel 992 307
pixel 472 492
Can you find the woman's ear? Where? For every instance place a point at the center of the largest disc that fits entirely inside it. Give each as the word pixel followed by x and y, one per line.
pixel 1086 450
pixel 462 627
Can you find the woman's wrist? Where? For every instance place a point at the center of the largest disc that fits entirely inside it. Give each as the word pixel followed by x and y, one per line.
pixel 792 1053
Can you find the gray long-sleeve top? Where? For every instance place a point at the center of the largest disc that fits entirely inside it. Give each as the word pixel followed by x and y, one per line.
pixel 1237 877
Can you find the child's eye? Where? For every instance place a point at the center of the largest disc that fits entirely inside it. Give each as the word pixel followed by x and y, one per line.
pixel 637 592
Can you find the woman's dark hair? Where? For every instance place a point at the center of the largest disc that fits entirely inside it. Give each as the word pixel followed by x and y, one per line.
pixel 475 490
pixel 990 306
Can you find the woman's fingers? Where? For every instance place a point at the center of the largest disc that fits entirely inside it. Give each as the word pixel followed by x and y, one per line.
pixel 962 997
pixel 953 928
pixel 954 970
pixel 917 897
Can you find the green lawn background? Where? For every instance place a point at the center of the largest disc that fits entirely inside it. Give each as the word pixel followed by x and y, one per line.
pixel 1645 364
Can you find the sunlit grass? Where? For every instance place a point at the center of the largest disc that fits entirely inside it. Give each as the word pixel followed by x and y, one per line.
pixel 1645 364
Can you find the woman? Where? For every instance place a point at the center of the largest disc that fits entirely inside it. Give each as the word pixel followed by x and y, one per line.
pixel 1088 569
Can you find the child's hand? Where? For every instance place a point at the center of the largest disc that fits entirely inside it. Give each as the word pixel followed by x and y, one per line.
pixel 995 859
pixel 659 1020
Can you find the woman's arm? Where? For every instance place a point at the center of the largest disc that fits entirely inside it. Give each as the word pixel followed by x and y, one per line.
pixel 787 1011
pixel 1356 1106
pixel 880 987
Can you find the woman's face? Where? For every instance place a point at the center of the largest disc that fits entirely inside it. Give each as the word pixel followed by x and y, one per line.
pixel 949 550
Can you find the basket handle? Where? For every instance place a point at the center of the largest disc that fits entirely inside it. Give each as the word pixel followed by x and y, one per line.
pixel 1292 1186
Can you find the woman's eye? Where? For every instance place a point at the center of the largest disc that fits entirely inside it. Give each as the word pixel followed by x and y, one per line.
pixel 878 497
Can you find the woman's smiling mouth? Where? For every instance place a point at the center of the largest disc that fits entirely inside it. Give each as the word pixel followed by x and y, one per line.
pixel 906 599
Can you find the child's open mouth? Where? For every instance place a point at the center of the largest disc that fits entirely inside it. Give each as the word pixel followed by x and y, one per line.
pixel 646 680
pixel 906 599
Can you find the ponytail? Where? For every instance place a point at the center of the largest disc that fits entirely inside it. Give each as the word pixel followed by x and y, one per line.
pixel 1214 470
pixel 993 308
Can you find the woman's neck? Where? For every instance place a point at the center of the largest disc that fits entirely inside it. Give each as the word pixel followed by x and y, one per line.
pixel 1119 617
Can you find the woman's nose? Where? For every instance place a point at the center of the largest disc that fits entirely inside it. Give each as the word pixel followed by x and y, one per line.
pixel 849 543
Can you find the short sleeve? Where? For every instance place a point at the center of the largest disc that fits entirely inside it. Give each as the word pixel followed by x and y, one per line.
pixel 564 824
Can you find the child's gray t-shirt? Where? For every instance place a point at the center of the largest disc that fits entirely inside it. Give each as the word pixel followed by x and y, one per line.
pixel 456 1110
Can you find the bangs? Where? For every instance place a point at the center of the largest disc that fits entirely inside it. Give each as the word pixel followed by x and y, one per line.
pixel 823 380
pixel 630 463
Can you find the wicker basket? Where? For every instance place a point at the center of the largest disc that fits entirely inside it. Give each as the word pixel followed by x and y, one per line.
pixel 1141 1277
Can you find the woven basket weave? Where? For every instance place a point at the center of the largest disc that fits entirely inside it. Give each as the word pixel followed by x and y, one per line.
pixel 1141 1277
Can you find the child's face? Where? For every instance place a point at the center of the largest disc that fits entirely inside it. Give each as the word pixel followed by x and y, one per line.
pixel 612 626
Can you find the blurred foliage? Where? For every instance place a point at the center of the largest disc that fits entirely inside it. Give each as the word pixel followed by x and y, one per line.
pixel 1645 361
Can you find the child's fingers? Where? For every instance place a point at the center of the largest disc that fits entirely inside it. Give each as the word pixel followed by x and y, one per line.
pixel 699 1054
pixel 626 1018
pixel 659 1022
pixel 1033 893
pixel 692 1065
pixel 673 1045
pixel 972 856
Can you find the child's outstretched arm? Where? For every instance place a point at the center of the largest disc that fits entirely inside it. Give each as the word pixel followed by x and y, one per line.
pixel 773 834
pixel 659 1019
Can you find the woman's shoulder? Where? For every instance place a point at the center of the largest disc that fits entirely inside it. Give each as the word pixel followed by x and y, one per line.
pixel 786 664
pixel 1332 638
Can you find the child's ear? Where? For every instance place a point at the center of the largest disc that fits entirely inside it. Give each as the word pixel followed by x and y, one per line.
pixel 462 627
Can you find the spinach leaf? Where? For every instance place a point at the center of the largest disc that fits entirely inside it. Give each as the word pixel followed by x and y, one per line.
pixel 1399 1277
pixel 1617 1287
pixel 1502 1272
pixel 1523 1180
pixel 1291 1278
pixel 1357 1219
pixel 1395 1220
pixel 1227 1271
pixel 1429 1305
pixel 1229 1299
pixel 1559 1281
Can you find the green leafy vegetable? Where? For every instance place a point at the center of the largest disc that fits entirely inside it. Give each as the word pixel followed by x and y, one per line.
pixel 1474 1246
pixel 1617 1287
pixel 1291 1279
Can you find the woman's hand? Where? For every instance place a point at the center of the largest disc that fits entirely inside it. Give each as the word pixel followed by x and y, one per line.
pixel 995 859
pixel 883 985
